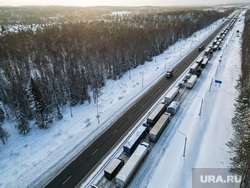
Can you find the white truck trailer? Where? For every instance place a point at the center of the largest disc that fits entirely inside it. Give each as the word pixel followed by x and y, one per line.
pixel 171 95
pixel 191 81
pixel 199 60
pixel 204 63
pixel 156 114
pixel 128 170
pixel 193 68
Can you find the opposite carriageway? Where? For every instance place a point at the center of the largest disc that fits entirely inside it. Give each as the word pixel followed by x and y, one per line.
pixel 85 162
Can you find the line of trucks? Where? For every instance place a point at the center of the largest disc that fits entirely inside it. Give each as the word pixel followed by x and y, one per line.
pixel 197 67
pixel 137 149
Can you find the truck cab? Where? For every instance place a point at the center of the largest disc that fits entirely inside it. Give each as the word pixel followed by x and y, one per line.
pixel 198 72
pixel 169 73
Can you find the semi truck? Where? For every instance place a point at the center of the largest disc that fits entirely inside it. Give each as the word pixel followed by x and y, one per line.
pixel 199 60
pixel 173 107
pixel 113 168
pixel 171 95
pixel 215 47
pixel 191 81
pixel 169 73
pixel 135 140
pixel 193 68
pixel 156 114
pixel 126 173
pixel 204 63
pixel 208 53
pixel 158 128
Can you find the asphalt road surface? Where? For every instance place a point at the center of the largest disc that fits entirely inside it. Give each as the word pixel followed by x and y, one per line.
pixel 86 162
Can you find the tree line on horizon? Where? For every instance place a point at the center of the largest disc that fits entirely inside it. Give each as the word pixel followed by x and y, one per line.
pixel 67 64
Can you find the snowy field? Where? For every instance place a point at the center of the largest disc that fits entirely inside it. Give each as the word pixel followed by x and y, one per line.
pixel 27 160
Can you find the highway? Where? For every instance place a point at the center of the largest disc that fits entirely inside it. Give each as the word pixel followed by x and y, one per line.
pixel 86 162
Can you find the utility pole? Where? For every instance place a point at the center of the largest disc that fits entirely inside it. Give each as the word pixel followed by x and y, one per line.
pixel 201 104
pixel 142 78
pixel 97 110
pixel 165 63
pixel 185 144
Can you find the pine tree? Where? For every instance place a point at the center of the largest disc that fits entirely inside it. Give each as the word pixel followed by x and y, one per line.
pixel 3 29
pixel 23 123
pixel 3 135
pixel 38 104
pixel 59 113
pixel 1 115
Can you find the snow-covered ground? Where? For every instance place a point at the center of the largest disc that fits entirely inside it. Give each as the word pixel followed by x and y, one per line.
pixel 207 131
pixel 27 160
pixel 206 134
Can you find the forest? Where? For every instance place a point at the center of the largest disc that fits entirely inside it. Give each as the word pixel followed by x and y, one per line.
pixel 240 144
pixel 67 62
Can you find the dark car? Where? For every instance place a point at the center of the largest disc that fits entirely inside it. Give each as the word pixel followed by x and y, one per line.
pixel 201 47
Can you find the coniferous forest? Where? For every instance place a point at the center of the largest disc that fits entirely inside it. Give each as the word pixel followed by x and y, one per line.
pixel 64 58
pixel 240 144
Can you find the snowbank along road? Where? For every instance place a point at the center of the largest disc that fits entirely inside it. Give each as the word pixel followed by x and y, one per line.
pixel 83 165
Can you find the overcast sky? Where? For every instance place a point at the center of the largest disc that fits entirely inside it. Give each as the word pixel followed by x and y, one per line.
pixel 116 2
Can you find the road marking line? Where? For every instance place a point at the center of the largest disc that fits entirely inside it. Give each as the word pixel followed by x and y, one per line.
pixel 115 131
pixel 66 180
pixel 130 116
pixel 94 151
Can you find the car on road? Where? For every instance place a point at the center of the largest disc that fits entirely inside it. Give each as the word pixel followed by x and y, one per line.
pixel 201 48
pixel 169 73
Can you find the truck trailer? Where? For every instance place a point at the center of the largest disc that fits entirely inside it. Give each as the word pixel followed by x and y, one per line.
pixel 113 168
pixel 199 60
pixel 204 63
pixel 193 68
pixel 134 140
pixel 171 95
pixel 208 53
pixel 158 128
pixel 156 114
pixel 128 170
pixel 191 81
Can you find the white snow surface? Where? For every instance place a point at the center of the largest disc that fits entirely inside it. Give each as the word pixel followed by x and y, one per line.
pixel 26 160
pixel 206 134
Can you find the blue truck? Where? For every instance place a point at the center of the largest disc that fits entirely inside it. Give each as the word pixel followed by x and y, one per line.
pixel 134 140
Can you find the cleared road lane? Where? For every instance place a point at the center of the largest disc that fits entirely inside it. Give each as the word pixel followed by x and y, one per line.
pixel 83 165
